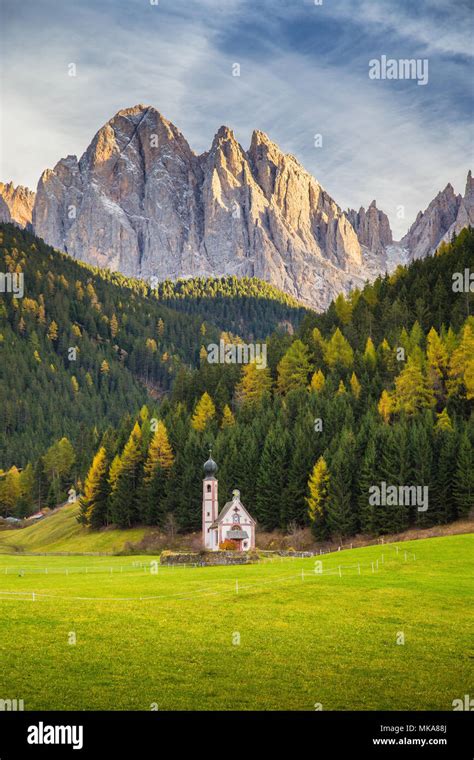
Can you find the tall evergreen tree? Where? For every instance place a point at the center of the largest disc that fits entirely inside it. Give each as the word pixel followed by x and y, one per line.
pixel 156 473
pixel 294 367
pixel 341 513
pixel 271 478
pixel 93 504
pixel 124 500
pixel 464 478
pixel 317 500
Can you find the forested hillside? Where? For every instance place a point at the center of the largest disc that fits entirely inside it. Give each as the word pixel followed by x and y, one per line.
pixel 378 389
pixel 82 345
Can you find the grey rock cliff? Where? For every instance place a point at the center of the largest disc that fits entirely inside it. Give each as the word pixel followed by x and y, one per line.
pixel 141 202
pixel 18 201
pixel 372 227
pixel 447 213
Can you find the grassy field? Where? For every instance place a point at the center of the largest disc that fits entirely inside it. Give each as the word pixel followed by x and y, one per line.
pixel 284 641
pixel 60 532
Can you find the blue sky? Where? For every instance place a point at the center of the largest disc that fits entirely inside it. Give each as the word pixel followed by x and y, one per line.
pixel 304 71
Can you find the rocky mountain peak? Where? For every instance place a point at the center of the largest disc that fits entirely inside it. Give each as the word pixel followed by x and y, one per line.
pixel 17 205
pixel 372 227
pixel 432 225
pixel 140 201
pixel 469 191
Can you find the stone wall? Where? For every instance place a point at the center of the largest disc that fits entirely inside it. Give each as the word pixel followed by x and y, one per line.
pixel 204 559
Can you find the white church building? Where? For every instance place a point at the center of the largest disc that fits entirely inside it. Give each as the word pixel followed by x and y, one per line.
pixel 233 523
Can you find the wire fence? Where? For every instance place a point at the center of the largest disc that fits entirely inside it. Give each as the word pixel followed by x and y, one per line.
pixel 373 566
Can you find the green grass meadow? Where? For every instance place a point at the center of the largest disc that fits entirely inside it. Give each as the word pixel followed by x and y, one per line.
pixel 184 639
pixel 60 532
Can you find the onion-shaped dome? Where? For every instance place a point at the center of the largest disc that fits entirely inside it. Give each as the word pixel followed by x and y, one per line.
pixel 210 467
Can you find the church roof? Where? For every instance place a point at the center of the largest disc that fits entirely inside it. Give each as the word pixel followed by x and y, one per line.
pixel 225 510
pixel 210 468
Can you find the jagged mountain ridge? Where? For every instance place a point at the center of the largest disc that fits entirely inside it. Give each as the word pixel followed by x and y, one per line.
pixel 16 204
pixel 372 227
pixel 140 201
pixel 447 214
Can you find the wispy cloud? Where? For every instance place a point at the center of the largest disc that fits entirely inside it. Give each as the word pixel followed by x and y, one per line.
pixel 303 71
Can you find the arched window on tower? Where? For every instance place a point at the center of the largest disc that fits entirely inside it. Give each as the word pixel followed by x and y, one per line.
pixel 208 488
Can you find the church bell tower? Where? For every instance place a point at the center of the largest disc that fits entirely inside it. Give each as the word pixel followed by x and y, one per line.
pixel 210 504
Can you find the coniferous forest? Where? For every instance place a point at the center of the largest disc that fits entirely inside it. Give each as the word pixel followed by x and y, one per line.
pixel 106 388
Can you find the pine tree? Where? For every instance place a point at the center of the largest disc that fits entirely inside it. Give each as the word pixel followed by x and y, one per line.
pixel 293 369
pixel 444 424
pixel 464 478
pixel 186 487
pixel 341 515
pixel 412 392
pixel 338 351
pixel 355 385
pixel 343 309
pixel 114 326
pixel 461 362
pixel 317 381
pixel 124 501
pixel 306 445
pixel 58 463
pixel 93 503
pixel 317 501
pixel 271 479
pixel 228 418
pixel 203 414
pixel 53 331
pixel 10 491
pixel 367 477
pixel 393 469
pixel 468 378
pixel 156 473
pixel 385 406
pixel 437 361
pixel 370 354
pixel 442 506
pixel 421 455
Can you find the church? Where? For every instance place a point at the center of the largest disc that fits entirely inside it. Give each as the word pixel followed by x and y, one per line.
pixel 233 523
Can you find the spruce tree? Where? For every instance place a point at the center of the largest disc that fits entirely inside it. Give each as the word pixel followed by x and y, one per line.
pixel 294 367
pixel 124 500
pixel 156 472
pixel 341 514
pixel 317 500
pixel 93 504
pixel 306 443
pixel 442 504
pixel 338 351
pixel 412 390
pixel 254 385
pixel 464 478
pixel 367 477
pixel 271 478
pixel 204 413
